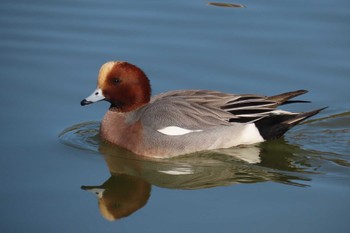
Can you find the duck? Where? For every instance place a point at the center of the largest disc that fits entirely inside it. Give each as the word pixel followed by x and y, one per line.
pixel 185 121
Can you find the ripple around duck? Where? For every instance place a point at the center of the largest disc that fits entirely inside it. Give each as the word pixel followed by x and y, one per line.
pixel 328 141
pixel 276 161
pixel 83 136
pixel 329 134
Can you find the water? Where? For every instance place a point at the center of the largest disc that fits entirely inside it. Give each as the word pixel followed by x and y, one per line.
pixel 50 56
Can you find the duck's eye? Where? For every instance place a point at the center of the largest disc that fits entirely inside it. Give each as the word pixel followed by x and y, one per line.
pixel 116 80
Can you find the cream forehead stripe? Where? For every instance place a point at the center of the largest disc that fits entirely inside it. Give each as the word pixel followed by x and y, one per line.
pixel 105 69
pixel 176 131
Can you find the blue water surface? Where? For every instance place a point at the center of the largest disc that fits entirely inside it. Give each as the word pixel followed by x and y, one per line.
pixel 52 156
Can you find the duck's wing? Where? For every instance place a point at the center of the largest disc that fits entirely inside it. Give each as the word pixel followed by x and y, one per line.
pixel 177 111
pixel 251 108
pixel 239 108
pixel 181 112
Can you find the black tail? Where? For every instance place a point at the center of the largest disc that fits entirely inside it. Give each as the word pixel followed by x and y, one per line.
pixel 274 126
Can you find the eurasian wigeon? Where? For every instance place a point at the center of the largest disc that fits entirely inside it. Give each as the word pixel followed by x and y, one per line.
pixel 185 121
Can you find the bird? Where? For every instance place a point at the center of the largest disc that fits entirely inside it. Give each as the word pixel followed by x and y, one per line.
pixel 185 121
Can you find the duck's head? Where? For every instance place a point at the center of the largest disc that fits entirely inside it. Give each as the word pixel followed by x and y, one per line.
pixel 122 84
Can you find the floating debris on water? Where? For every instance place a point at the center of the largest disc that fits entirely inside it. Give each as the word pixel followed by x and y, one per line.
pixel 222 4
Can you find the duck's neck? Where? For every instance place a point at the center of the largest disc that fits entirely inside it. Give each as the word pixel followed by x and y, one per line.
pixel 119 107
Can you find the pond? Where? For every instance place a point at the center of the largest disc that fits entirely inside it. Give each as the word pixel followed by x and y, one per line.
pixel 58 176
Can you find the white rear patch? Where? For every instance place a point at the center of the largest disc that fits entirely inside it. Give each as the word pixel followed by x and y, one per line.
pixel 251 135
pixel 176 131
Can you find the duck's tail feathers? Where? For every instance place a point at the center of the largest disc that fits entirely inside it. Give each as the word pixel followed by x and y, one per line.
pixel 275 125
pixel 284 98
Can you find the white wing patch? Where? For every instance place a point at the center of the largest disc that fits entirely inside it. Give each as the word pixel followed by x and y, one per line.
pixel 179 171
pixel 176 131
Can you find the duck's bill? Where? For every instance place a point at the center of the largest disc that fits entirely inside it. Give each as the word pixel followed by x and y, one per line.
pixel 94 97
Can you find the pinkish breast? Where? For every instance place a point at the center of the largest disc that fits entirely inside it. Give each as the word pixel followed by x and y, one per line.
pixel 115 129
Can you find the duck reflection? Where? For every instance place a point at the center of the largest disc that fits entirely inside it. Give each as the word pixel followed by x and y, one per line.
pixel 120 195
pixel 132 176
pixel 129 186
